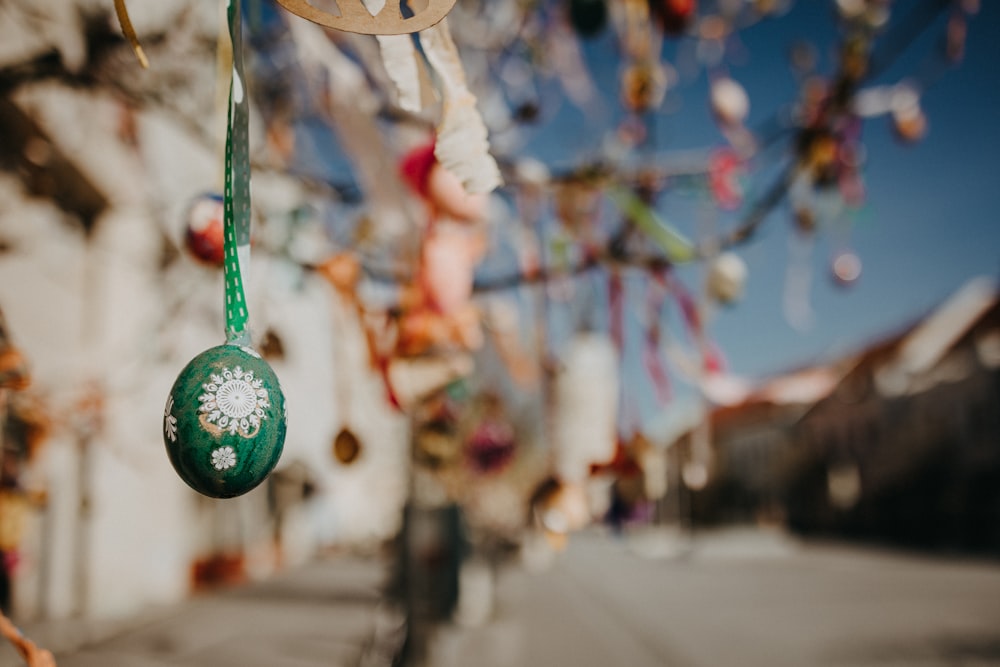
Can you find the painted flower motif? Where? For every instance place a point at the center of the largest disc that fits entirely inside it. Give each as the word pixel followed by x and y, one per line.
pixel 223 458
pixel 234 401
pixel 169 421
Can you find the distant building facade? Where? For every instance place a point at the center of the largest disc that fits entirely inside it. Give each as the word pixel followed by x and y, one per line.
pixel 906 449
pixel 899 444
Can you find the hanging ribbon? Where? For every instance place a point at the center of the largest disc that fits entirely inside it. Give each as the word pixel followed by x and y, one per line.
pixel 220 105
pixel 129 32
pixel 462 145
pixel 652 360
pixel 628 420
pixel 400 58
pixel 711 356
pixel 380 358
pixel 616 302
pixel 237 190
pixel 656 297
pixel 676 246
pixel 399 55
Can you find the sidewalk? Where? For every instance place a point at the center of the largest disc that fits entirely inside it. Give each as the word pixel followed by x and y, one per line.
pixel 328 613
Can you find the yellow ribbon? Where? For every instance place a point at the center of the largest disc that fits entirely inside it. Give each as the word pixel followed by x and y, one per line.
pixel 129 32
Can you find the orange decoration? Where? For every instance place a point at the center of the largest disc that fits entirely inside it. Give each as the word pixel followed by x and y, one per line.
pixel 342 271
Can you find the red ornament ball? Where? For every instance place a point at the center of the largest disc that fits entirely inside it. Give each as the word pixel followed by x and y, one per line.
pixel 674 15
pixel 204 236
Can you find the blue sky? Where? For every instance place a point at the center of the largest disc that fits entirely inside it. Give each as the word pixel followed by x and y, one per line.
pixel 929 223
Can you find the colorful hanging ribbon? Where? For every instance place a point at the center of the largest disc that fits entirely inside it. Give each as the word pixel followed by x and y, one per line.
pixel 711 357
pixel 676 246
pixel 652 359
pixel 628 420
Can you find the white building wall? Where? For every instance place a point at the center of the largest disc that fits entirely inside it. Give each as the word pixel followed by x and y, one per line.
pixel 100 313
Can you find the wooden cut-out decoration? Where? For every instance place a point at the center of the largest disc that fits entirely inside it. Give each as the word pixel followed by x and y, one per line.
pixel 355 18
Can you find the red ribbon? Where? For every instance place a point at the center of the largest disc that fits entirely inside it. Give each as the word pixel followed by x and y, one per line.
pixel 711 359
pixel 656 297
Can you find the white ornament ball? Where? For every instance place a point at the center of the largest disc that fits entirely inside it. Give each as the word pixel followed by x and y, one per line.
pixel 729 100
pixel 727 277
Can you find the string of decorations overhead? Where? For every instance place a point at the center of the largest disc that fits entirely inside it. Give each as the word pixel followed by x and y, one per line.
pixel 600 216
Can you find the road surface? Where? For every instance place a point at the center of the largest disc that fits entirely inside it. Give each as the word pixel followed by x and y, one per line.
pixel 738 598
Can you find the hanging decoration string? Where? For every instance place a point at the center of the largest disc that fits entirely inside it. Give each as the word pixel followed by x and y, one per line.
pixel 237 190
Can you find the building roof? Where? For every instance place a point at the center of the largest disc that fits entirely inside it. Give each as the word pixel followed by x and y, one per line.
pixel 895 361
pixel 927 343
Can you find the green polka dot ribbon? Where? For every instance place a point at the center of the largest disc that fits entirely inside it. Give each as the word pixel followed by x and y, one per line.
pixel 237 190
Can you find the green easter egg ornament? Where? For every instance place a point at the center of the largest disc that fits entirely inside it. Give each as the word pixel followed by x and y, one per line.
pixel 224 425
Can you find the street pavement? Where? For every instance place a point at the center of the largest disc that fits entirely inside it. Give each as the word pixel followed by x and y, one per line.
pixel 735 598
